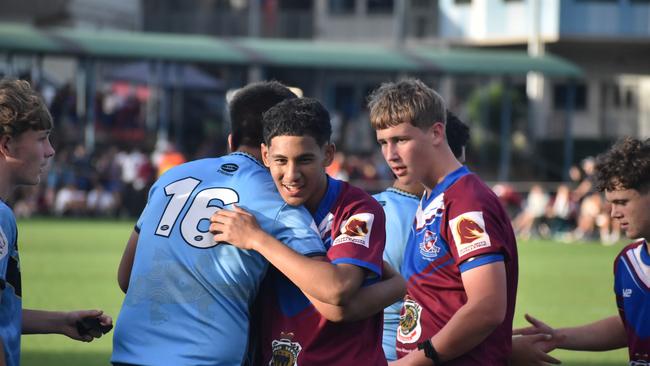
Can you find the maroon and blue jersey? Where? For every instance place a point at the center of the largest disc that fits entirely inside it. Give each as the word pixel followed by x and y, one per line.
pixel 632 288
pixel 293 332
pixel 459 226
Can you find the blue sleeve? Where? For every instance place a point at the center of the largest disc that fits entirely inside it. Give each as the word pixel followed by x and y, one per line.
pixel 481 260
pixel 7 240
pixel 296 228
pixel 141 219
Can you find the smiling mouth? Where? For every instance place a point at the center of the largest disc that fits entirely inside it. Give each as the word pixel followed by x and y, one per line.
pixel 292 189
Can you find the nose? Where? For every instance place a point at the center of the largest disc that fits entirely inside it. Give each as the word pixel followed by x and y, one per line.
pixel 49 149
pixel 390 152
pixel 291 173
pixel 614 213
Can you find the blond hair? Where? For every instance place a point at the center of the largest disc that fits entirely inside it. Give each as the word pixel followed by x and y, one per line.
pixel 407 101
pixel 21 109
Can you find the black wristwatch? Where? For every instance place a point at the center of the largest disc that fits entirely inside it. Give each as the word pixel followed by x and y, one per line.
pixel 430 352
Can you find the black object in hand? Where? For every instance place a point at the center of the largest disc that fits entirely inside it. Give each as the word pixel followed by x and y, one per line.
pixel 85 325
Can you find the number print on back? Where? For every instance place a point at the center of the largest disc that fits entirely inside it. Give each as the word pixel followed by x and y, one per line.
pixel 201 207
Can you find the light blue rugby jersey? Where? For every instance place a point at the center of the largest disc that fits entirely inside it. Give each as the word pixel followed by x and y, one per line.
pixel 11 302
pixel 399 207
pixel 188 299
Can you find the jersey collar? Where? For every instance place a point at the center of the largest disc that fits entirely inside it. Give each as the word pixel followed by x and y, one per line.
pixel 249 156
pixel 333 189
pixel 402 192
pixel 447 182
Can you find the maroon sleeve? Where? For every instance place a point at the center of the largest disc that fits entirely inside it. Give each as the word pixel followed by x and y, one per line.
pixel 358 235
pixel 476 224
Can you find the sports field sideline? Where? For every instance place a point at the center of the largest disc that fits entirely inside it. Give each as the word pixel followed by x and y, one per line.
pixel 72 264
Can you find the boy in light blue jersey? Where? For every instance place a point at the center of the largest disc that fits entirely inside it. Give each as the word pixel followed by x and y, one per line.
pixel 188 299
pixel 25 150
pixel 400 203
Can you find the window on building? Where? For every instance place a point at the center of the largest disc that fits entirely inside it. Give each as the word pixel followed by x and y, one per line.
pixel 560 92
pixel 380 6
pixel 341 6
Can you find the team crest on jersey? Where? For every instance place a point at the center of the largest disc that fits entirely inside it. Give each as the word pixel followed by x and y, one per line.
pixel 285 352
pixel 356 229
pixel 410 329
pixel 228 168
pixel 4 244
pixel 469 232
pixel 428 247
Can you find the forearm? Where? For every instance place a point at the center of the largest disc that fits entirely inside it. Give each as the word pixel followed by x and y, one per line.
pixel 468 327
pixel 602 335
pixel 320 280
pixel 42 322
pixel 368 301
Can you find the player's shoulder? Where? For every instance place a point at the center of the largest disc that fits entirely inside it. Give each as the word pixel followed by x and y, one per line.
pixel 353 196
pixel 471 189
pixel 631 247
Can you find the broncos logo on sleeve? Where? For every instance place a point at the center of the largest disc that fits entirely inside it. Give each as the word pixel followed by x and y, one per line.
pixel 356 229
pixel 469 232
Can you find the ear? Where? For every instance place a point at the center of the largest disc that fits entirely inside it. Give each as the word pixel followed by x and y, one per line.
pixel 230 149
pixel 436 133
pixel 329 150
pixel 265 155
pixel 5 145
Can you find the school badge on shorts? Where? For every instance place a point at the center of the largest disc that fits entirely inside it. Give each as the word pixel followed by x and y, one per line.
pixel 409 329
pixel 285 352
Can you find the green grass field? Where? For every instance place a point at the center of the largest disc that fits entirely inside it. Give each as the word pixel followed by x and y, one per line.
pixel 72 264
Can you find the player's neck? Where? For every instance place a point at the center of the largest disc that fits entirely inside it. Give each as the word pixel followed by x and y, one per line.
pixel 253 151
pixel 444 164
pixel 6 187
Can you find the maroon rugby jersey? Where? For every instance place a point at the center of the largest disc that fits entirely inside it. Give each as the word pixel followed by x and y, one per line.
pixel 352 226
pixel 460 226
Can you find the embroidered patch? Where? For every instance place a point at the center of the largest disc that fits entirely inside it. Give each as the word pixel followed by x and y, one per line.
pixel 356 229
pixel 428 247
pixel 410 329
pixel 285 352
pixel 469 232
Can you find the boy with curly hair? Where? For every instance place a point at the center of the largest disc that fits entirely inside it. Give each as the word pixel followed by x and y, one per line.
pixel 623 173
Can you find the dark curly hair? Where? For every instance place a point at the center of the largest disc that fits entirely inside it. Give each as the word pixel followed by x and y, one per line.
pixel 246 110
pixel 21 109
pixel 457 134
pixel 626 165
pixel 298 117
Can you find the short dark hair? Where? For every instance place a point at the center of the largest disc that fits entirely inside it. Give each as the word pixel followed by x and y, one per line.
pixel 457 134
pixel 21 109
pixel 626 165
pixel 298 117
pixel 246 110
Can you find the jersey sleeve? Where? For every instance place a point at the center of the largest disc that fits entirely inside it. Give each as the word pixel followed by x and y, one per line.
pixel 618 288
pixel 7 241
pixel 360 237
pixel 143 214
pixel 475 231
pixel 295 228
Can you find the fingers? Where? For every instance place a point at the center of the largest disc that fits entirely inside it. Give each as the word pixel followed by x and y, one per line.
pixel 547 358
pixel 525 331
pixel 533 321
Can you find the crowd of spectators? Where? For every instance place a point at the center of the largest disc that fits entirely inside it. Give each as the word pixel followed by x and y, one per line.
pixel 114 182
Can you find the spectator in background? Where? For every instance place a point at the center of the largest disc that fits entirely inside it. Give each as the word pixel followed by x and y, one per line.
pixel 534 209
